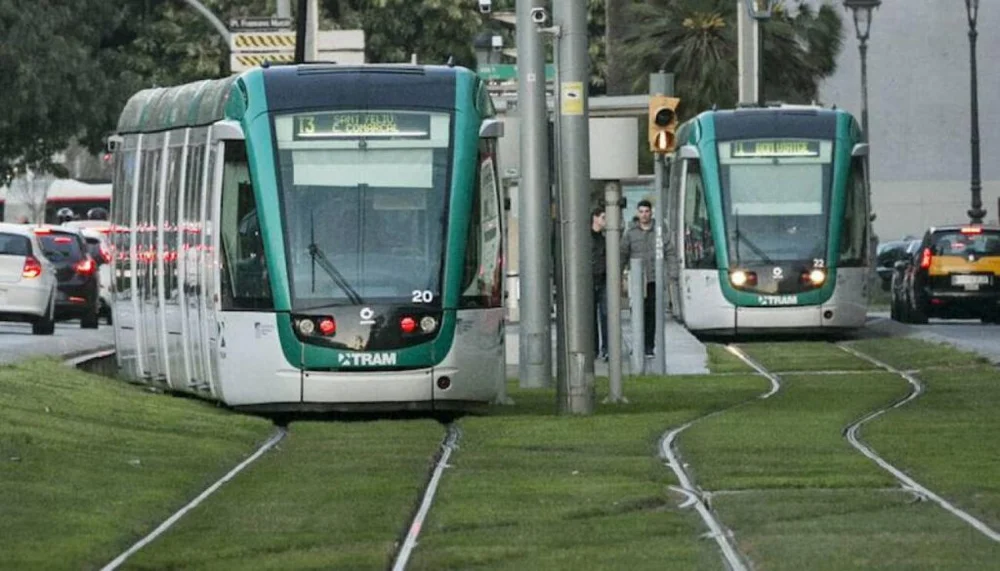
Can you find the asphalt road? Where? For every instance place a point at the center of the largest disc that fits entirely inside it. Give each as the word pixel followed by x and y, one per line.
pixel 962 333
pixel 17 342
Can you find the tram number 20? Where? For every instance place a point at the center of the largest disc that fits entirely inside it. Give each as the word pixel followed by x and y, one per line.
pixel 422 296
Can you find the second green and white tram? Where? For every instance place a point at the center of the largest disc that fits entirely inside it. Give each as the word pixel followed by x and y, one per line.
pixel 770 220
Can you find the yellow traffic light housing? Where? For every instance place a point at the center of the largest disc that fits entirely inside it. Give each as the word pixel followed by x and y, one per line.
pixel 663 123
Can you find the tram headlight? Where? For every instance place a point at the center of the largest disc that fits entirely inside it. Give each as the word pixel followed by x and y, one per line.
pixel 817 277
pixel 740 278
pixel 306 326
pixel 428 324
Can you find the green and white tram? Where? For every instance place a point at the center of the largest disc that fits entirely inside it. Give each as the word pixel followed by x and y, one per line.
pixel 311 238
pixel 770 214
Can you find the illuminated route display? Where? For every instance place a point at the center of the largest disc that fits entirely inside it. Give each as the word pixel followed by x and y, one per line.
pixel 362 125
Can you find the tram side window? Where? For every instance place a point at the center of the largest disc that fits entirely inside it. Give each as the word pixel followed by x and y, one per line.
pixel 854 232
pixel 482 272
pixel 699 247
pixel 245 283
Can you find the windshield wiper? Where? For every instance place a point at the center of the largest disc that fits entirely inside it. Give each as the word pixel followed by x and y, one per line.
pixel 317 255
pixel 753 247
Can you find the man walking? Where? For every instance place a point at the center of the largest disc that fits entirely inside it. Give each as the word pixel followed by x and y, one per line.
pixel 640 242
pixel 598 260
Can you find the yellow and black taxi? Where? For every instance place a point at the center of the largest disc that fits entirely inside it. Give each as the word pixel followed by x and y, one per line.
pixel 954 272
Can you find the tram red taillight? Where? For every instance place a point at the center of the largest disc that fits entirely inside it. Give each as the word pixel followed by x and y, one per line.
pixel 327 326
pixel 408 324
pixel 925 258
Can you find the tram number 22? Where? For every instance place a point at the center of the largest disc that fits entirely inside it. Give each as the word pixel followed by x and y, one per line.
pixel 422 296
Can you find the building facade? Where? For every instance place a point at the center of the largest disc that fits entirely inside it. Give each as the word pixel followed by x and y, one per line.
pixel 919 110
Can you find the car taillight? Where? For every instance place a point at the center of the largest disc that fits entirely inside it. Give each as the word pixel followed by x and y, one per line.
pixel 925 258
pixel 32 269
pixel 106 255
pixel 86 266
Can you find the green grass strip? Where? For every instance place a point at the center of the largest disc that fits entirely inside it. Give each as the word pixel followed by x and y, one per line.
pixel 531 490
pixel 910 354
pixel 804 356
pixel 332 495
pixel 946 439
pixel 804 498
pixel 88 465
pixel 722 361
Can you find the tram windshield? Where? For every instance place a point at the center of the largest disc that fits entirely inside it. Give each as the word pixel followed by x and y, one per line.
pixel 776 196
pixel 363 198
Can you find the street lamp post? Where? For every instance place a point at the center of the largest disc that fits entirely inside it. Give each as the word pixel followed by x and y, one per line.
pixel 976 213
pixel 751 47
pixel 862 11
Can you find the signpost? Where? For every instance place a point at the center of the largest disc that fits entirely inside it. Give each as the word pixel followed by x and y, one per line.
pixel 508 72
pixel 252 48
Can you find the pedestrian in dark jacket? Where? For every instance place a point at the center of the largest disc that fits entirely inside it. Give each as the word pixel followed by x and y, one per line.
pixel 640 242
pixel 598 260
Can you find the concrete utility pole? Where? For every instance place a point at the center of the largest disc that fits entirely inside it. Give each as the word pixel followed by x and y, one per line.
pixel 748 41
pixel 534 230
pixel 660 84
pixel 576 390
pixel 613 212
pixel 284 9
pixel 312 31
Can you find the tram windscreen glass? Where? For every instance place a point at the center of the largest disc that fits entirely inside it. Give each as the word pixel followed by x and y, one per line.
pixel 776 197
pixel 364 197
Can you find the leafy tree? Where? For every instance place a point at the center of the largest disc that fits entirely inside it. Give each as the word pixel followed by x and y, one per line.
pixel 395 29
pixel 696 40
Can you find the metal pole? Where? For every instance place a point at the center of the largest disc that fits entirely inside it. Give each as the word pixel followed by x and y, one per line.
pixel 863 50
pixel 976 213
pixel 636 293
pixel 749 56
pixel 660 84
pixel 535 348
pixel 559 262
pixel 578 391
pixel 312 31
pixel 212 19
pixel 612 237
pixel 284 9
pixel 300 31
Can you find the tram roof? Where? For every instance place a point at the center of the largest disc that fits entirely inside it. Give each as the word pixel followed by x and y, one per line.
pixel 189 105
pixel 204 102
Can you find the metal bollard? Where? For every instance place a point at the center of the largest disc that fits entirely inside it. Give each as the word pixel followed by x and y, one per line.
pixel 636 291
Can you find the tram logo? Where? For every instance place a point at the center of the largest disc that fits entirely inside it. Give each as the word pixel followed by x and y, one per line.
pixel 777 299
pixel 777 273
pixel 367 359
pixel 367 315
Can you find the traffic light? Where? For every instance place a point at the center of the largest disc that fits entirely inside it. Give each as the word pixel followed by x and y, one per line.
pixel 662 123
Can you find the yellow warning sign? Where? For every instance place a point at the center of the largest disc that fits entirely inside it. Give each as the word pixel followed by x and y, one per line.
pixel 571 98
pixel 249 41
pixel 241 62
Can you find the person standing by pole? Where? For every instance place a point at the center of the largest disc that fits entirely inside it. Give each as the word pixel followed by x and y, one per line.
pixel 640 242
pixel 598 260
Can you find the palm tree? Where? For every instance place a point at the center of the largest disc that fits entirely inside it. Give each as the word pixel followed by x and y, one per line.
pixel 696 40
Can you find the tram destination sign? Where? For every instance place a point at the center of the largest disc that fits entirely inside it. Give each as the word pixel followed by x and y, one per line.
pixel 362 125
pixel 773 148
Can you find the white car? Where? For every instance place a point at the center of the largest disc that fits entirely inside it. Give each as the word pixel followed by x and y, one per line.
pixel 27 280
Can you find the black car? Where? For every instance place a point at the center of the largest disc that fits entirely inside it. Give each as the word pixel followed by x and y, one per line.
pixel 954 272
pixel 78 288
pixel 886 256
